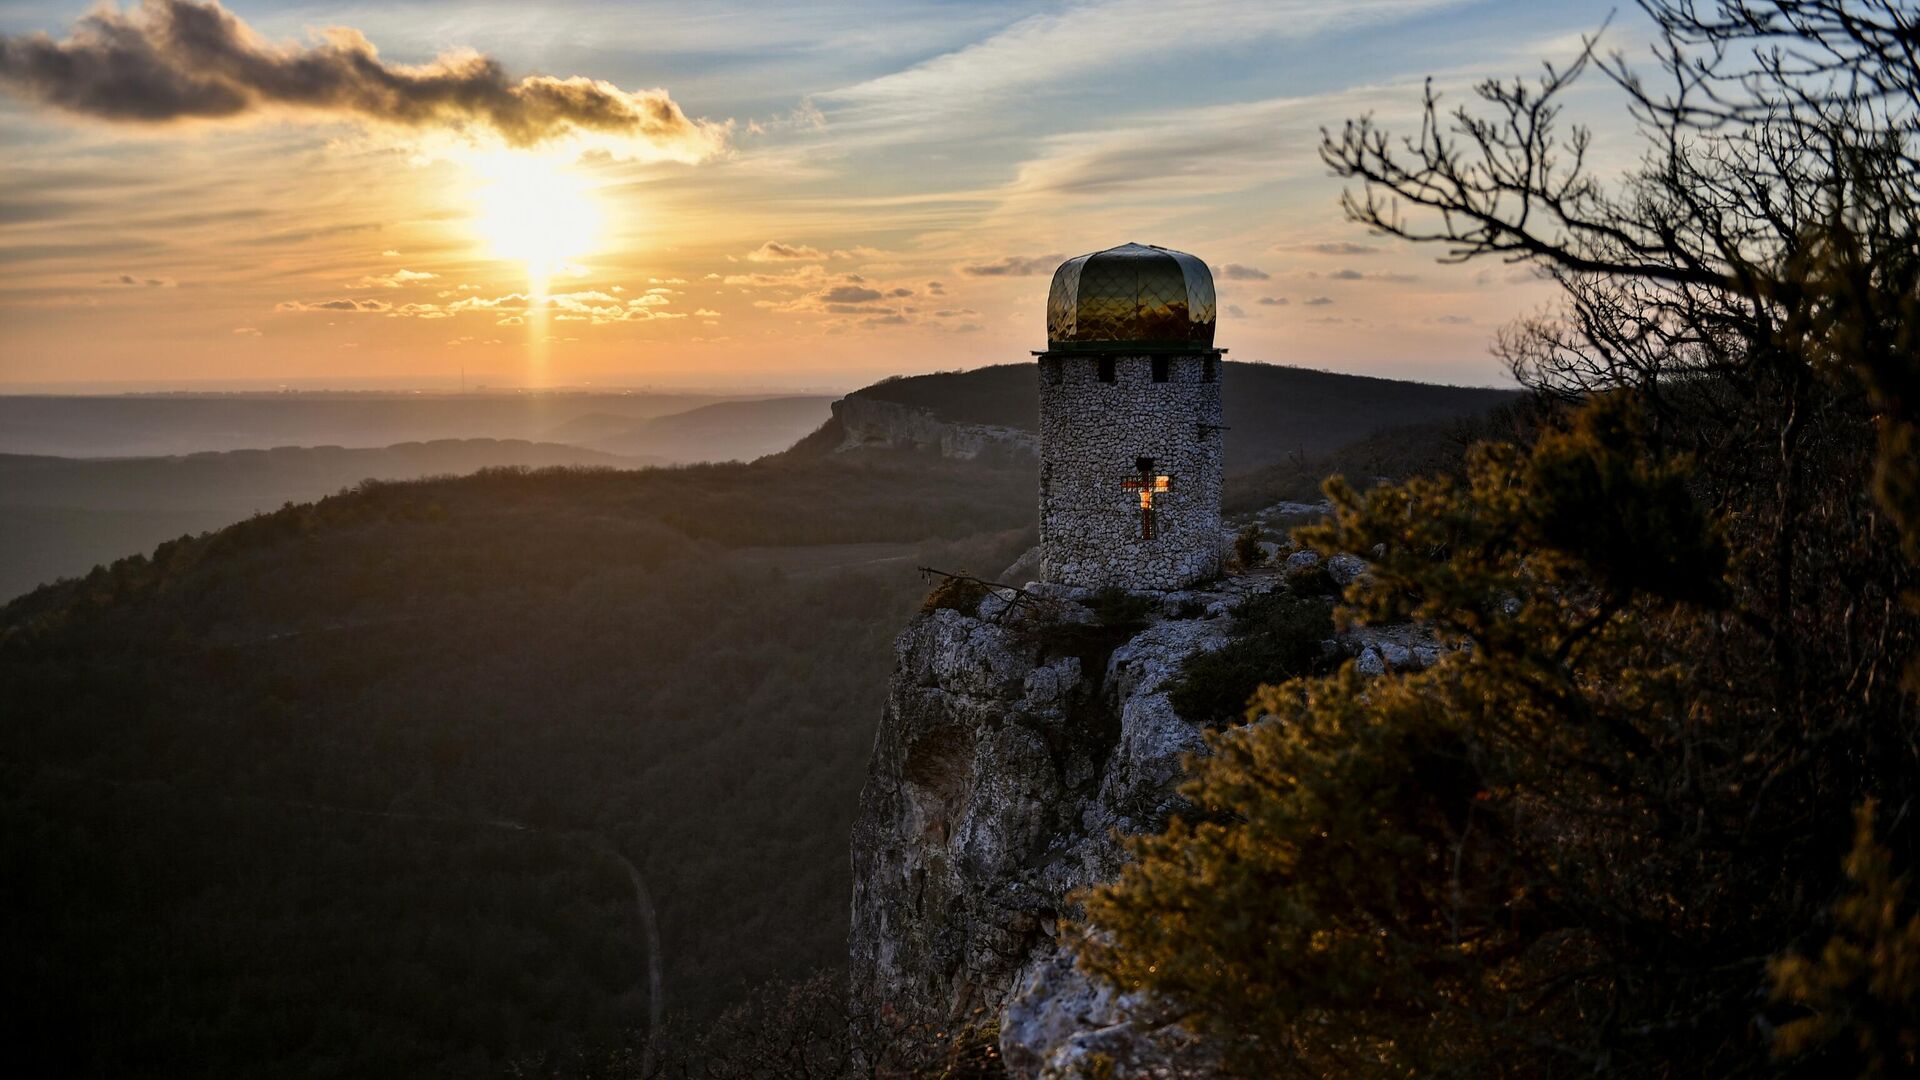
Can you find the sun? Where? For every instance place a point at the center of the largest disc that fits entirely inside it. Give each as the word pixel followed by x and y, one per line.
pixel 533 209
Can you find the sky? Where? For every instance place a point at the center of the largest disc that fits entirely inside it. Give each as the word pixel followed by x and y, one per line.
pixel 718 195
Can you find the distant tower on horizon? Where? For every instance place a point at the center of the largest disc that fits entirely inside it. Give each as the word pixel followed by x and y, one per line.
pixel 1130 426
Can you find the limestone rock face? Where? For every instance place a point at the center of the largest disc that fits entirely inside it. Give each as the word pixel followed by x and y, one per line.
pixel 1059 1022
pixel 999 776
pixel 1010 757
pixel 871 422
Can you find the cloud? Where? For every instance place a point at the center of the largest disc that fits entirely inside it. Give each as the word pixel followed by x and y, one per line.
pixel 1274 301
pixel 775 251
pixel 145 283
pixel 1339 247
pixel 1452 320
pixel 1350 274
pixel 355 306
pixel 1079 41
pixel 850 294
pixel 173 60
pixel 1234 310
pixel 1237 272
pixel 1320 301
pixel 589 306
pixel 394 280
pixel 295 236
pixel 1015 266
pixel 803 277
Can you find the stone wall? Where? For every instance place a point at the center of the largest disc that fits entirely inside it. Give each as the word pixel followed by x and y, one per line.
pixel 1092 432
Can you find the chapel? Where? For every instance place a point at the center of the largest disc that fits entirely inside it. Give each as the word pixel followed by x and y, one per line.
pixel 1130 422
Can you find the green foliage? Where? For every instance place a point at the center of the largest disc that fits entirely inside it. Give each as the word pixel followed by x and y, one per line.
pixel 1566 848
pixel 1276 635
pixel 1246 546
pixel 1861 991
pixel 971 1053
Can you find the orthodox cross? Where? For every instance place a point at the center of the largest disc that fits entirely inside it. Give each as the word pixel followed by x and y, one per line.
pixel 1148 485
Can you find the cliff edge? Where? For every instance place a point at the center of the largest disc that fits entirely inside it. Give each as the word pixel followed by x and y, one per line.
pixel 1025 735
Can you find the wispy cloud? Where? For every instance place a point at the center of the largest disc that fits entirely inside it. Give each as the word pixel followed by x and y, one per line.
pixel 395 280
pixel 1015 266
pixel 510 309
pixel 141 282
pixel 1334 247
pixel 1239 272
pixel 347 305
pixel 775 251
pixel 1087 38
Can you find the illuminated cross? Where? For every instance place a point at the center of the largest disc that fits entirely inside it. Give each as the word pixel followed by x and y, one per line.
pixel 1148 485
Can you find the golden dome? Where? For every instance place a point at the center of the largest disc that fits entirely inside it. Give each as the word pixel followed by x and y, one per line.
pixel 1132 297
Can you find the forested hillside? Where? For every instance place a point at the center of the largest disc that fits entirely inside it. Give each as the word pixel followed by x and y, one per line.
pixel 343 789
pixel 62 516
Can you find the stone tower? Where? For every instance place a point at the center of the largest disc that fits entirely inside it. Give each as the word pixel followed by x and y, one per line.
pixel 1130 422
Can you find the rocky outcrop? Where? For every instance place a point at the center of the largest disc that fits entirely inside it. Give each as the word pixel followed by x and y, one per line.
pixel 1011 758
pixel 1019 744
pixel 872 422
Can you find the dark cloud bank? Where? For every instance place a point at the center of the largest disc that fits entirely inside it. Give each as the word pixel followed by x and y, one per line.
pixel 172 60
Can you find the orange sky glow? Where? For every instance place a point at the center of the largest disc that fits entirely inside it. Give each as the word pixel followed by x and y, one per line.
pixel 795 200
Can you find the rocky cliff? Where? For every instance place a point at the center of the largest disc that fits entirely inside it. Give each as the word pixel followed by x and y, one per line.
pixel 1021 740
pixel 873 422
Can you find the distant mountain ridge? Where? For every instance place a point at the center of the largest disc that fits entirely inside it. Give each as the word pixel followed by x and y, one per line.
pixel 722 431
pixel 62 516
pixel 1272 412
pixel 150 425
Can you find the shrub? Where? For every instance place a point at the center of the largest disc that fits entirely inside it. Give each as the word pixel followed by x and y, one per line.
pixel 958 594
pixel 1312 580
pixel 1117 616
pixel 1246 546
pixel 1277 636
